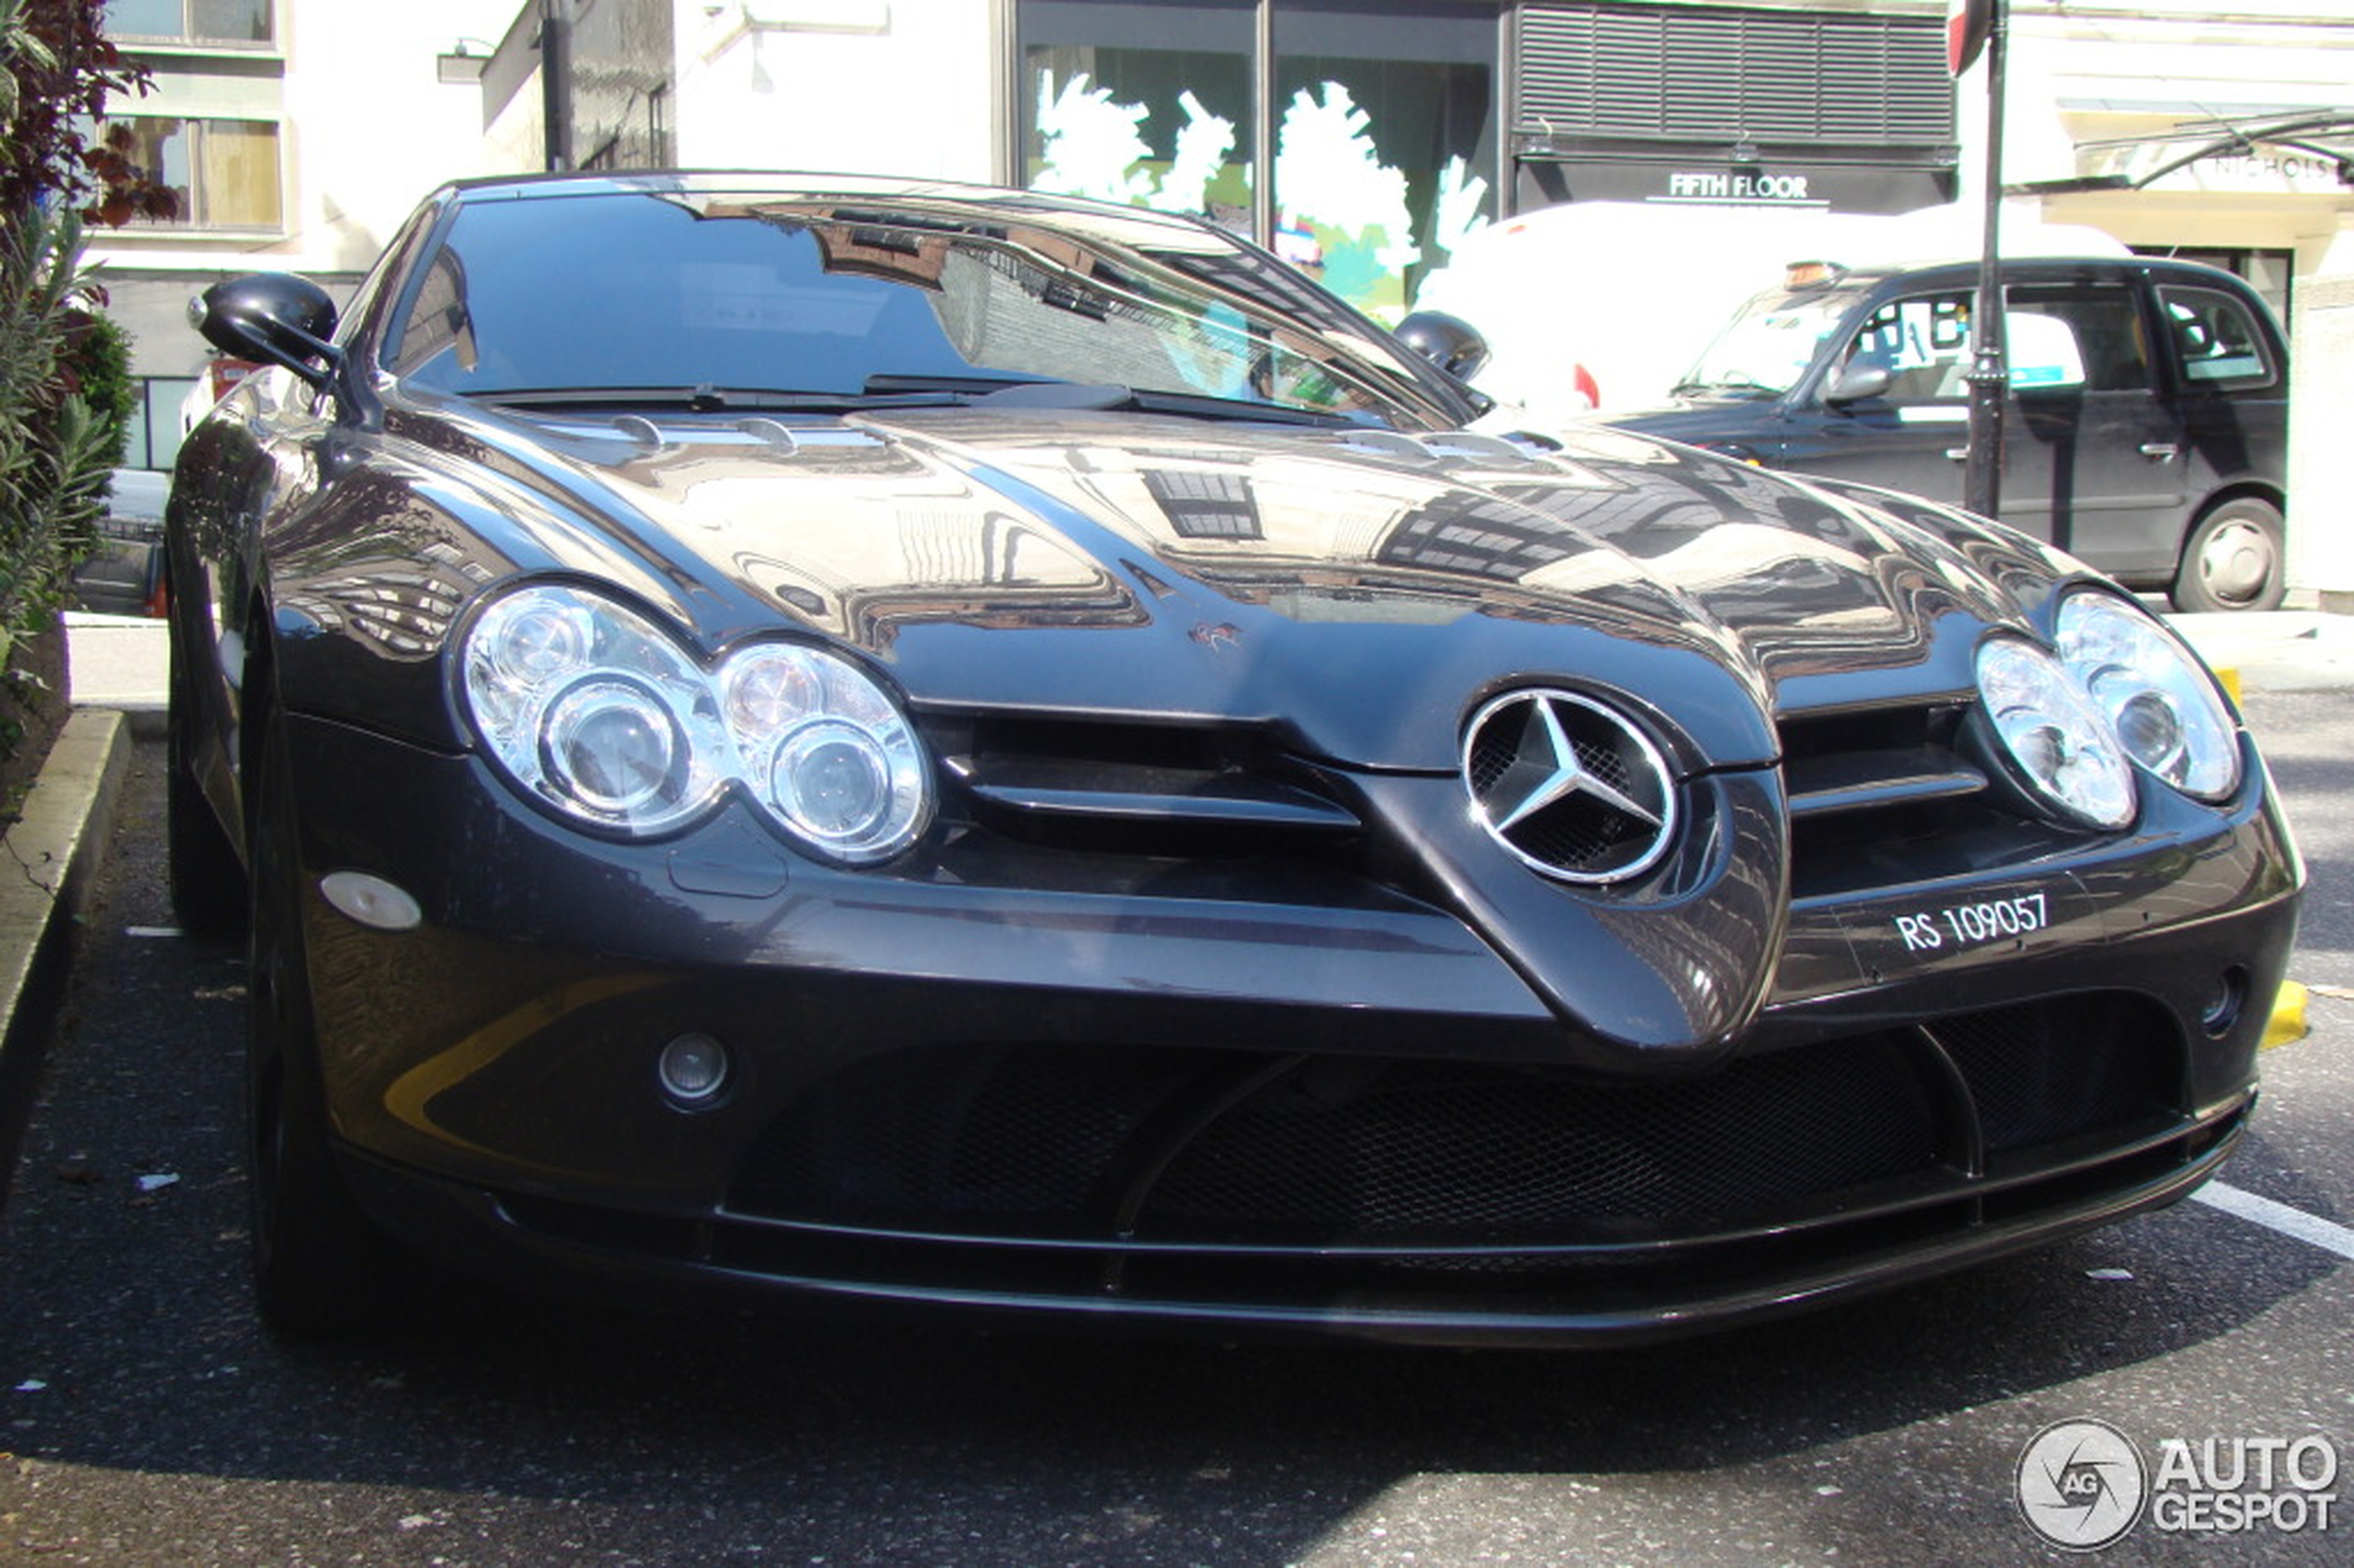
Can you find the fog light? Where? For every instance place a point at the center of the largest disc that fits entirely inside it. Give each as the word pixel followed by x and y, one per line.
pixel 2221 1009
pixel 694 1069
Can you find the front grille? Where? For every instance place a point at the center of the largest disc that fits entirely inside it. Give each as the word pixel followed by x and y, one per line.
pixel 1423 1150
pixel 1893 795
pixel 1204 792
pixel 2038 1074
pixel 1253 1149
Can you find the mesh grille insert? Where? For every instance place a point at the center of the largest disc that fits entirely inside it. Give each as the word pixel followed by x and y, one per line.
pixel 1241 1147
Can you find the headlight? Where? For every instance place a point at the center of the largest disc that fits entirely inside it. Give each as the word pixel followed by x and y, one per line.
pixel 591 708
pixel 2164 706
pixel 2061 745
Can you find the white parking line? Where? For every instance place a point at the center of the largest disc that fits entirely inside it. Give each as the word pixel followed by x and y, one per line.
pixel 2323 1234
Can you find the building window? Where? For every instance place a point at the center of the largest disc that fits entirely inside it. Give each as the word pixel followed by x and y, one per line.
pixel 1381 144
pixel 193 21
pixel 157 423
pixel 225 171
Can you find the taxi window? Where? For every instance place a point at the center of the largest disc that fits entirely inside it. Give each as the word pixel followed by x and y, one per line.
pixel 2216 339
pixel 2084 337
pixel 2062 338
pixel 1923 341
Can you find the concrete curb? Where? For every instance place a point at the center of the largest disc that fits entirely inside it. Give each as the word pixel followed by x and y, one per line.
pixel 51 861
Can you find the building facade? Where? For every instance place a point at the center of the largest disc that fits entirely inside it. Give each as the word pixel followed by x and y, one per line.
pixel 297 135
pixel 1370 141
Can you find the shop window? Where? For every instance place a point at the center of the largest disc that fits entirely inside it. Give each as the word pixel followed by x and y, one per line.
pixel 224 172
pixel 1141 104
pixel 193 21
pixel 1386 120
pixel 1379 153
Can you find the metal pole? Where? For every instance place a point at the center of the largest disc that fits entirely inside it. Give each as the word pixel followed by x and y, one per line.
pixel 1263 216
pixel 555 83
pixel 1989 373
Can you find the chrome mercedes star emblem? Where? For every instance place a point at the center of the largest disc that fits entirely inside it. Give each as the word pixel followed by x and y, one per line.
pixel 1569 786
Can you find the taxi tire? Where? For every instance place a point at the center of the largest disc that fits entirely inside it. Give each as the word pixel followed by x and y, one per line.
pixel 2247 524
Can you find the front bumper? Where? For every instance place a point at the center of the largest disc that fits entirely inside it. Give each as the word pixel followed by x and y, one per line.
pixel 1289 1099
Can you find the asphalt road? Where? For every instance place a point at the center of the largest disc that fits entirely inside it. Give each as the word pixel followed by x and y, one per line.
pixel 149 1420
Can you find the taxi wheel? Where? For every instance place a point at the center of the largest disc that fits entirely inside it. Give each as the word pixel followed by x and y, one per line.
pixel 2234 560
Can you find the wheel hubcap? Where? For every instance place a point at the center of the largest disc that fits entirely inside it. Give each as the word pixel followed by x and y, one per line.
pixel 2237 561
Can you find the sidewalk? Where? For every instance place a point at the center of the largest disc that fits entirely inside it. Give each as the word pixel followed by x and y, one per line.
pixel 2283 650
pixel 117 661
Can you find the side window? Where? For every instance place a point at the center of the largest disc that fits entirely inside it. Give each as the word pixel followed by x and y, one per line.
pixel 1923 342
pixel 2076 337
pixel 2216 340
pixel 390 269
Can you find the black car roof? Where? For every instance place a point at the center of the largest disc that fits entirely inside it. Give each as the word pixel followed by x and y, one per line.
pixel 2046 267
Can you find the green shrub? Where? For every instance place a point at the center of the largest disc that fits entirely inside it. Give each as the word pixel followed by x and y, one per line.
pixel 55 455
pixel 96 367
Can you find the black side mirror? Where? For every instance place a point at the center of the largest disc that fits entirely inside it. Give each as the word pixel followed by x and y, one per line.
pixel 275 318
pixel 1856 380
pixel 1449 342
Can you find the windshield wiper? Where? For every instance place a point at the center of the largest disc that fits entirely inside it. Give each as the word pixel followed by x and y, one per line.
pixel 708 398
pixel 974 391
pixel 1736 382
pixel 922 392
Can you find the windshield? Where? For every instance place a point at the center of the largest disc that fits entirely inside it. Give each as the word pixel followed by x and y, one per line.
pixel 730 297
pixel 1770 342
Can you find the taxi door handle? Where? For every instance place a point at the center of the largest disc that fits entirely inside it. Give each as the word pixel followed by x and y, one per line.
pixel 2160 451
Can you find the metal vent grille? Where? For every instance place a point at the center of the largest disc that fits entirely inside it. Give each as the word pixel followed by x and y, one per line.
pixel 1681 73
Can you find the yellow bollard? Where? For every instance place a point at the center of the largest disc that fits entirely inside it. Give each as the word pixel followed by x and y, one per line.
pixel 2288 1017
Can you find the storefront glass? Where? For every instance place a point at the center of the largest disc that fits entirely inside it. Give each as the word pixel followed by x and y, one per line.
pixel 1383 120
pixel 1148 105
pixel 1386 132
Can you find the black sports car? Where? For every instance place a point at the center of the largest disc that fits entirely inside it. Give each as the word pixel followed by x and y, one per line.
pixel 884 742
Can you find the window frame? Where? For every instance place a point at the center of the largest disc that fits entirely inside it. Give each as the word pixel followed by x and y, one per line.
pixel 196 128
pixel 188 38
pixel 2183 366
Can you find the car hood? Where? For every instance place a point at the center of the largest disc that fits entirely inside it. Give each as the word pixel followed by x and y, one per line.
pixel 1355 592
pixel 1701 421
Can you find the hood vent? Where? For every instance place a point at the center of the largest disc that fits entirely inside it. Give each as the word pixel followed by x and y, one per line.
pixel 1517 451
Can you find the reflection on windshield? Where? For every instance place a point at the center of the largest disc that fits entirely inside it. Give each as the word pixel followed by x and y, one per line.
pixel 813 296
pixel 1768 346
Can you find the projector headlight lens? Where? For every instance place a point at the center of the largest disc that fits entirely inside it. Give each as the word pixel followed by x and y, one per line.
pixel 2168 714
pixel 2062 747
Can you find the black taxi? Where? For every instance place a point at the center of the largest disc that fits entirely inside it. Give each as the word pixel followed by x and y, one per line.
pixel 2146 430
